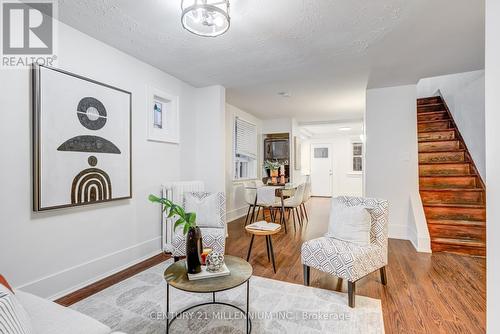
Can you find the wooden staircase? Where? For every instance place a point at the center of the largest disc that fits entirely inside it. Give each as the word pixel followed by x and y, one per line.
pixel 451 189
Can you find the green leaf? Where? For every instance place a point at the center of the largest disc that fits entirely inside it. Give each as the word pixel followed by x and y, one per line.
pixel 191 218
pixel 179 222
pixel 154 198
pixel 186 228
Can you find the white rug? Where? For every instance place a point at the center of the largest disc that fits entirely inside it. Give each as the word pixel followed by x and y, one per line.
pixel 137 306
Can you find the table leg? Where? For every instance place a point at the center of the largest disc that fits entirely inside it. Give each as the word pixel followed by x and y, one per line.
pixel 272 253
pixel 168 307
pixel 250 248
pixel 213 297
pixel 248 303
pixel 267 248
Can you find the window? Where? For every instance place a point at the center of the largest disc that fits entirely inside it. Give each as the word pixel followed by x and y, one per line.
pixel 245 150
pixel 357 157
pixel 321 152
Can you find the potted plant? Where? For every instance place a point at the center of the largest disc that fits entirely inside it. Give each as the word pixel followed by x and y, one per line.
pixel 186 220
pixel 273 167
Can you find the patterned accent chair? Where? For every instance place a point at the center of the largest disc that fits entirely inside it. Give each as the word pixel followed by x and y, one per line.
pixel 347 260
pixel 213 232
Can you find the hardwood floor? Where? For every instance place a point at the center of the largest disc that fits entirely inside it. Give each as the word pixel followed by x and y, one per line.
pixel 438 293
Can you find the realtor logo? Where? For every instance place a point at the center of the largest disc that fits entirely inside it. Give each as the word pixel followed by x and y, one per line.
pixel 27 33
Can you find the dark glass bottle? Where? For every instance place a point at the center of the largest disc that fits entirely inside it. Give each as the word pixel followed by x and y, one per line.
pixel 194 248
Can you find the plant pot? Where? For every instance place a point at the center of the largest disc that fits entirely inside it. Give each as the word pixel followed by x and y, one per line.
pixel 194 248
pixel 274 173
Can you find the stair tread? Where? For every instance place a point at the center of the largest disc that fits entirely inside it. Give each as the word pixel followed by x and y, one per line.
pixel 448 175
pixel 434 121
pixel 462 242
pixel 444 163
pixel 471 223
pixel 447 151
pixel 436 130
pixel 438 140
pixel 454 205
pixel 430 104
pixel 452 189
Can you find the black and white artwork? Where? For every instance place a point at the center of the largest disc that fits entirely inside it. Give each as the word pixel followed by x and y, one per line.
pixel 158 115
pixel 163 116
pixel 82 131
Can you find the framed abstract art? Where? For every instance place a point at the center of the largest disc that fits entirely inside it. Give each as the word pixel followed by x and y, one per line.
pixel 163 116
pixel 82 148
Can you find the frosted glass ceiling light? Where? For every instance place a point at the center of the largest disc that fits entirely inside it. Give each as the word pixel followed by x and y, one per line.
pixel 208 18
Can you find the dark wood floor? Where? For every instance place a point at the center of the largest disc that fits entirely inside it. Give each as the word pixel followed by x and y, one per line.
pixel 438 293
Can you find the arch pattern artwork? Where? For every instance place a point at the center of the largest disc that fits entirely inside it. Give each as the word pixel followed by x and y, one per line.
pixel 91 185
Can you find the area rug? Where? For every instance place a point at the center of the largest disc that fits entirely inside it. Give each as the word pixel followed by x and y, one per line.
pixel 137 306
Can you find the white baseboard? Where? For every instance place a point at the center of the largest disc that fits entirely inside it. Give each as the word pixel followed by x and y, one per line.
pixel 236 213
pixel 61 283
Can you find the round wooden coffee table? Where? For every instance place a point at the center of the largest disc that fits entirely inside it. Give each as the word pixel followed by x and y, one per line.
pixel 269 242
pixel 241 271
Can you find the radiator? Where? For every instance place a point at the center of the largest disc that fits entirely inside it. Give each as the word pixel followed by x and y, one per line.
pixel 175 192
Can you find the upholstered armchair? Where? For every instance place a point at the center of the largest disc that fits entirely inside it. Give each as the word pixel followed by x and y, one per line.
pixel 347 260
pixel 210 211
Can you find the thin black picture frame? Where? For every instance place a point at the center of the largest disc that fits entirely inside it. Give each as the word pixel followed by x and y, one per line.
pixel 36 133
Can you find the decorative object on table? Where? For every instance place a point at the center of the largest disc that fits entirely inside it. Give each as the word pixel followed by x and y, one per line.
pixel 273 167
pixel 186 220
pixel 207 18
pixel 205 274
pixel 204 255
pixel 263 226
pixel 163 116
pixel 348 260
pixel 215 261
pixel 82 140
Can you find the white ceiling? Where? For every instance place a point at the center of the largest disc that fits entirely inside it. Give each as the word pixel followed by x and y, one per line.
pixel 325 53
pixel 326 130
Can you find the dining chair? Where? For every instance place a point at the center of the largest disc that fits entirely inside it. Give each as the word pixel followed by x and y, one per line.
pixel 306 197
pixel 292 205
pixel 250 193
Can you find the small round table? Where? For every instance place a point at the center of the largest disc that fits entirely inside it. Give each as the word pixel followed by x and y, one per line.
pixel 269 242
pixel 241 271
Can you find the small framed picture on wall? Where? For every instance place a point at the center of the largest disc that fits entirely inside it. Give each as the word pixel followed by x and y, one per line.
pixel 163 116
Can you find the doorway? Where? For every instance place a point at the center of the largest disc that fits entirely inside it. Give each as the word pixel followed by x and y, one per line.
pixel 321 170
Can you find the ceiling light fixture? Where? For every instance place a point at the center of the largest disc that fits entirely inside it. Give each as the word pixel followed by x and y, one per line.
pixel 284 94
pixel 207 18
pixel 345 128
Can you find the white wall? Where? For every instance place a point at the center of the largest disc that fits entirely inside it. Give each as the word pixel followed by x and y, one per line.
pixel 493 164
pixel 209 129
pixel 391 160
pixel 235 197
pixel 464 95
pixel 55 252
pixel 344 181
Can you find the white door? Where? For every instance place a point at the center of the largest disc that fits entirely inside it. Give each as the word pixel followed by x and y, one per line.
pixel 321 170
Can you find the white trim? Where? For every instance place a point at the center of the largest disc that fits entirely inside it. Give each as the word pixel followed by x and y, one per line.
pixel 76 277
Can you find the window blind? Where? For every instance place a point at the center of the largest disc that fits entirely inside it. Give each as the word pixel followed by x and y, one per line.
pixel 245 138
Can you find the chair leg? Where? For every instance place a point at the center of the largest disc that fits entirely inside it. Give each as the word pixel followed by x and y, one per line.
pixel 307 275
pixel 248 215
pixel 176 258
pixel 351 291
pixel 299 217
pixel 294 222
pixel 305 211
pixel 383 276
